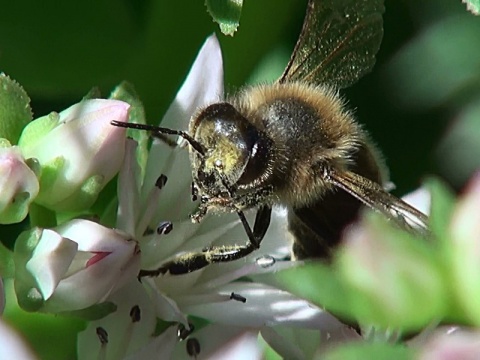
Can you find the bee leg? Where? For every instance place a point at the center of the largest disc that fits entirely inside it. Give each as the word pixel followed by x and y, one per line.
pixel 189 262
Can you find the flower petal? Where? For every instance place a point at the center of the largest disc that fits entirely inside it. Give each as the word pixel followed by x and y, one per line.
pixel 50 261
pixel 203 86
pixel 264 306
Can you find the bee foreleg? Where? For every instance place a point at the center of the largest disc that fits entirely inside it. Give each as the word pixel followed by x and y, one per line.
pixel 189 262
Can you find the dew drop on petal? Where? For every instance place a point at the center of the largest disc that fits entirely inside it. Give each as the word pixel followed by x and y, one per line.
pixel 266 261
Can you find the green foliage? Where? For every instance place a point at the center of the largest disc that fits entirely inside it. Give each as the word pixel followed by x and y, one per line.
pixel 370 351
pixel 226 13
pixel 15 110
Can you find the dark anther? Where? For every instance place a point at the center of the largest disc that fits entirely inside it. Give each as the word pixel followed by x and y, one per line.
pixel 102 335
pixel 238 297
pixel 161 181
pixel 193 347
pixel 164 228
pixel 183 332
pixel 135 313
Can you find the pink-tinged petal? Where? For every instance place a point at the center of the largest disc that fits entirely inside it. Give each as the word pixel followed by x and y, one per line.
pixel 12 346
pixel 97 256
pixel 465 226
pixel 18 185
pixel 465 250
pixel 80 149
pixel 95 283
pixel 80 263
pixel 462 344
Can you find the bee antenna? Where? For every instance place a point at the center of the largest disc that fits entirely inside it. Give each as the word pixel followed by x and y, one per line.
pixel 161 130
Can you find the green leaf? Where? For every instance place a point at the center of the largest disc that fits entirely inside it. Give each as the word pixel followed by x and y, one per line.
pixel 473 6
pixel 15 110
pixel 380 351
pixel 226 13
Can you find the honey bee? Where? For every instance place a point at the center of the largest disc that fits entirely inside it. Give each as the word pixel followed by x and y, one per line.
pixel 294 143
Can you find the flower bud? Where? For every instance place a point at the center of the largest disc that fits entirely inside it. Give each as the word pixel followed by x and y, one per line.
pixel 465 250
pixel 395 279
pixel 18 185
pixel 78 151
pixel 457 344
pixel 73 266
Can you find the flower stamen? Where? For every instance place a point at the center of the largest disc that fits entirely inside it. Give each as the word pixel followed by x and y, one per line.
pixel 103 337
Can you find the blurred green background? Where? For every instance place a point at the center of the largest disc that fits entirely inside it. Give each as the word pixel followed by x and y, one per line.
pixel 421 103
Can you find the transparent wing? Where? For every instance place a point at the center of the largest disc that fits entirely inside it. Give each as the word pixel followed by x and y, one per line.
pixel 338 42
pixel 375 197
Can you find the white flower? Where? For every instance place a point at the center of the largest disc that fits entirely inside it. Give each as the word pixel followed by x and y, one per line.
pixel 77 150
pixel 157 214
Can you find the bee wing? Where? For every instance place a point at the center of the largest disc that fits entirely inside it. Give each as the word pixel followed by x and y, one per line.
pixel 338 42
pixel 375 197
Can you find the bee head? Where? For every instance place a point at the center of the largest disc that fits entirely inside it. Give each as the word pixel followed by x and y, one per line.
pixel 235 151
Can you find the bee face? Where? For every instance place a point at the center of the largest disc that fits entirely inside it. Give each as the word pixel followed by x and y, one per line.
pixel 234 160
